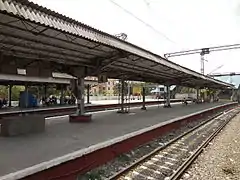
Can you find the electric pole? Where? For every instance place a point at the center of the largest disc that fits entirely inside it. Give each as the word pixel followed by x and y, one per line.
pixel 203 52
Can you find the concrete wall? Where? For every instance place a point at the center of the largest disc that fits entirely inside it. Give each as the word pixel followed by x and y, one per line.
pixel 99 98
pixel 185 95
pixel 13 126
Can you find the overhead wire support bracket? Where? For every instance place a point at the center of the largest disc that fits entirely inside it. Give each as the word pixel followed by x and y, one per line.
pixel 202 52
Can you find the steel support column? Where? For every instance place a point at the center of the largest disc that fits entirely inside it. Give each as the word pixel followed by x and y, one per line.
pixel 122 110
pixel 80 96
pixel 26 96
pixel 122 95
pixel 198 91
pixel 233 95
pixel 213 97
pixel 167 103
pixel 61 98
pixel 45 92
pixel 88 94
pixel 202 64
pixel 80 115
pixel 143 100
pixel 10 95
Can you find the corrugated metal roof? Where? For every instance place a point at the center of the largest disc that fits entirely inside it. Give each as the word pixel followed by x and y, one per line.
pixel 44 16
pixel 37 14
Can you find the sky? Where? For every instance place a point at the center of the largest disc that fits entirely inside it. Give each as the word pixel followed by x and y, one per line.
pixel 168 26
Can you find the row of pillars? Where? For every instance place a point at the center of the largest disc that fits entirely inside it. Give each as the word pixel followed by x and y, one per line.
pixel 88 94
pixel 82 87
pixel 80 96
pixel 45 94
pixel 26 89
pixel 122 110
pixel 167 102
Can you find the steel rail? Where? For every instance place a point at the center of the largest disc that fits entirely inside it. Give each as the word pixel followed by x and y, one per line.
pixel 179 172
pixel 141 160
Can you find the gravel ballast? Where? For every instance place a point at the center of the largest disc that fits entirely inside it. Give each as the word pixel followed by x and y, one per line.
pixel 107 170
pixel 221 158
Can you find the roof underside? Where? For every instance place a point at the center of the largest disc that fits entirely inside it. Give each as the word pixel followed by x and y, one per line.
pixel 224 74
pixel 31 35
pixel 6 79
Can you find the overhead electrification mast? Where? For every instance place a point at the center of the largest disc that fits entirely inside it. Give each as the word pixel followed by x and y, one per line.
pixel 202 52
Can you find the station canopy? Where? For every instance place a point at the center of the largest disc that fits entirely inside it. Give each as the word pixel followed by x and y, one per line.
pixel 34 36
pixel 57 78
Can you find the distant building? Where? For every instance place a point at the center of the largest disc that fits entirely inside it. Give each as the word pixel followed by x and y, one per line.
pixel 102 88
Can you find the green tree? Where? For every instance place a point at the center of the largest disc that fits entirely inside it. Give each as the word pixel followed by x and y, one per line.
pixel 3 91
pixel 187 90
pixel 16 92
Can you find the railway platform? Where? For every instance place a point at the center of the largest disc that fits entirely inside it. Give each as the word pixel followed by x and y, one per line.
pixel 62 137
pixel 93 103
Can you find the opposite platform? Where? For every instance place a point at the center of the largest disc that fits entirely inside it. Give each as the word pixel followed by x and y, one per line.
pixel 62 137
pixel 93 103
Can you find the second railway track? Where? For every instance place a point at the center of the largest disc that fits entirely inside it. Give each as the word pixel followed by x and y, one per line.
pixel 169 161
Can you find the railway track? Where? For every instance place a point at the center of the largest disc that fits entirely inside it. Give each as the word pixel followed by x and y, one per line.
pixel 170 161
pixel 54 111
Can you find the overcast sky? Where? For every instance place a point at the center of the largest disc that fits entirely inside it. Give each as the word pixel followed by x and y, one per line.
pixel 175 25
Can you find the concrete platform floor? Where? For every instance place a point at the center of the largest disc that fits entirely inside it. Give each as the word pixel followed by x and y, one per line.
pixel 61 137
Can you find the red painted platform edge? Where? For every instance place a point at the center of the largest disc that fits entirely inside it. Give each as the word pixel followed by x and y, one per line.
pixel 71 169
pixel 74 118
